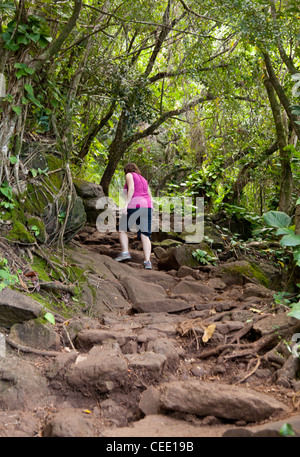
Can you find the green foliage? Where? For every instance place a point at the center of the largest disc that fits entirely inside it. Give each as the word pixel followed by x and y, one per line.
pixel 17 35
pixel 6 191
pixel 50 318
pixel 204 257
pixel 277 219
pixel 6 277
pixel 282 221
pixel 286 430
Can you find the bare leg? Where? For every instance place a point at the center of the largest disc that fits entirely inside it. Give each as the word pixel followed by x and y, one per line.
pixel 146 246
pixel 124 241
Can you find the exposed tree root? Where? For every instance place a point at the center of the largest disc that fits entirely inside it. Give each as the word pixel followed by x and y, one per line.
pixel 288 372
pixel 29 349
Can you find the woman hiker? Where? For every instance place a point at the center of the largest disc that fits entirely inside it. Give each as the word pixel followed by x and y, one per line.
pixel 137 211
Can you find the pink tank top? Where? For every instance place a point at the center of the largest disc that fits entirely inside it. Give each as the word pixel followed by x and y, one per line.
pixel 141 197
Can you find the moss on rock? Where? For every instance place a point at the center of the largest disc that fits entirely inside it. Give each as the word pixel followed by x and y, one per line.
pixel 238 272
pixel 20 233
pixel 36 225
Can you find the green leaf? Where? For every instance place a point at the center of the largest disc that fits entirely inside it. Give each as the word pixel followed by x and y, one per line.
pixel 12 46
pixel 29 89
pixel 290 240
pixel 277 219
pixel 17 110
pixel 295 311
pixel 22 40
pixel 20 73
pixel 286 430
pixel 5 274
pixel 298 201
pixel 35 100
pixel 49 317
pixel 285 231
pixel 34 37
pixel 25 68
pixel 13 160
pixel 6 191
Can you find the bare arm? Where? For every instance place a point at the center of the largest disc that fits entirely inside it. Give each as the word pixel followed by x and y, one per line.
pixel 130 189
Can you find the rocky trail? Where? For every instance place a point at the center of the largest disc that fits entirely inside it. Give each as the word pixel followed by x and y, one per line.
pixel 177 351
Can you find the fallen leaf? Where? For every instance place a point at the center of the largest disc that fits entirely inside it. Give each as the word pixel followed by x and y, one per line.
pixel 208 332
pixel 31 274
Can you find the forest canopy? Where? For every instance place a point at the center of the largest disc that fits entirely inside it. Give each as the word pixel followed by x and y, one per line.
pixel 203 95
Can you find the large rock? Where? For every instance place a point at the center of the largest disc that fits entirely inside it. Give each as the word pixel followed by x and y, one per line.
pixel 35 334
pixel 241 272
pixel 16 307
pixel 90 194
pixel 101 370
pixel 68 423
pixel 44 196
pixel 168 305
pixel 220 400
pixel 194 288
pixel 182 255
pixel 140 291
pixel 284 326
pixel 148 362
pixel 87 338
pixel 21 386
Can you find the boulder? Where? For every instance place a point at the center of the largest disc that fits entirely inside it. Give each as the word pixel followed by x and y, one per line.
pixel 284 326
pixel 187 271
pixel 115 413
pixel 149 401
pixel 43 197
pixel 182 255
pixel 148 362
pixel 35 334
pixel 140 291
pixel 217 399
pixel 21 386
pixel 159 251
pixel 166 347
pixel 194 288
pixel 100 370
pixel 240 272
pixel 168 305
pixel 16 307
pixel 89 193
pixel 68 423
pixel 87 338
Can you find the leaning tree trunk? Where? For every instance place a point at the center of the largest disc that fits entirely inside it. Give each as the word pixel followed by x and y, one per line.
pixel 116 153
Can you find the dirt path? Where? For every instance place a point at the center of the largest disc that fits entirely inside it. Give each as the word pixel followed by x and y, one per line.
pixel 155 354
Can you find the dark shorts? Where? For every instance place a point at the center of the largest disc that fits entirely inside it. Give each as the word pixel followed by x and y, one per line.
pixel 137 218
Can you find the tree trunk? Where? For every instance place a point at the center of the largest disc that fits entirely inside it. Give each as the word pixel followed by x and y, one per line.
pixel 281 94
pixel 285 196
pixel 116 153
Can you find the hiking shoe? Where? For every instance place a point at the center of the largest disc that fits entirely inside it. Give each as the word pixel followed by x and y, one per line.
pixel 123 256
pixel 147 265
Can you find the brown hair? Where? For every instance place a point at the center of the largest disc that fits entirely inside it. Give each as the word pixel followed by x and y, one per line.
pixel 131 168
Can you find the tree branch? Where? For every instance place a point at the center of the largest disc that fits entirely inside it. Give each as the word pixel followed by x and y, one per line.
pixel 281 94
pixel 167 115
pixel 57 44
